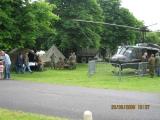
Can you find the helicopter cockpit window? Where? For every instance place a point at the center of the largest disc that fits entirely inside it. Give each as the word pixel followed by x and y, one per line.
pixel 123 49
pixel 134 54
pixel 128 52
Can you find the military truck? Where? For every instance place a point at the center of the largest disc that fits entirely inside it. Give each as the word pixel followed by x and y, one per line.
pixel 86 54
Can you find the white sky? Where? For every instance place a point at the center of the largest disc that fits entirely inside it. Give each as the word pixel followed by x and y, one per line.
pixel 145 10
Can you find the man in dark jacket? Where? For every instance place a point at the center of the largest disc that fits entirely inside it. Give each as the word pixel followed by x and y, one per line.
pixel 20 63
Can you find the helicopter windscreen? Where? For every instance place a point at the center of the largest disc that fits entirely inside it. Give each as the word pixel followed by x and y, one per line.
pixel 123 49
pixel 128 52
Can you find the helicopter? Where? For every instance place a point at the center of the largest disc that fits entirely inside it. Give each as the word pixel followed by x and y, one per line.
pixel 129 56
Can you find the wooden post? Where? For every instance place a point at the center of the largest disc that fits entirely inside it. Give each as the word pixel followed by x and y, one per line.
pixel 87 115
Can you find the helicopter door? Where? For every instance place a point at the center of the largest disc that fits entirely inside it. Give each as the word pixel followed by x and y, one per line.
pixel 140 53
pixel 151 52
pixel 130 54
pixel 127 52
pixel 134 54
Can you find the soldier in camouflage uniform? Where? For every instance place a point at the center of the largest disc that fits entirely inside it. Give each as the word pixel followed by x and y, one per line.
pixel 157 64
pixel 144 65
pixel 60 64
pixel 52 61
pixel 72 61
pixel 151 62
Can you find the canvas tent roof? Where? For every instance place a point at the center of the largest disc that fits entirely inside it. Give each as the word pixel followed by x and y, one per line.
pixel 47 56
pixel 13 53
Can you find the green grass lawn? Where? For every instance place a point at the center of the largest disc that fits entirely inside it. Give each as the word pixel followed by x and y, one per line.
pixel 17 115
pixel 103 78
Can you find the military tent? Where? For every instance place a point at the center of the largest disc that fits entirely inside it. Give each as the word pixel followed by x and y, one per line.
pixel 46 58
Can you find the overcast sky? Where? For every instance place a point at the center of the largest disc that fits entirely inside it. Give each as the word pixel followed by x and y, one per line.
pixel 145 10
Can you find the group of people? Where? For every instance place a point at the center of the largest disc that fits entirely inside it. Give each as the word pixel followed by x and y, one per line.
pixel 153 64
pixel 22 63
pixel 64 63
pixel 5 65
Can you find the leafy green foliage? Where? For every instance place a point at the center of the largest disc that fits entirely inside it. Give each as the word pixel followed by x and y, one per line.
pixel 8 23
pixel 153 37
pixel 22 24
pixel 72 34
pixel 25 24
pixel 115 14
pixel 39 21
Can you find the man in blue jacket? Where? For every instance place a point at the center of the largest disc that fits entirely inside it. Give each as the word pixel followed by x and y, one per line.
pixel 7 63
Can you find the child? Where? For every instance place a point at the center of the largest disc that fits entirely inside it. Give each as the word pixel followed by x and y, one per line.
pixel 1 70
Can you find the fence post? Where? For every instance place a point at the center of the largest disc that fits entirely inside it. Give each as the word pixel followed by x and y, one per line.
pixel 139 69
pixel 142 68
pixel 87 115
pixel 120 72
pixel 91 67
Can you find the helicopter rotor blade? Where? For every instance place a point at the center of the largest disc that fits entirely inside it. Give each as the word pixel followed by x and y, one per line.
pixel 151 25
pixel 104 23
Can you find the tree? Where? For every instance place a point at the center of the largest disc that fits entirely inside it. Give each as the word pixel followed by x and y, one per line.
pixel 153 37
pixel 115 14
pixel 22 23
pixel 73 35
pixel 38 27
pixel 9 30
